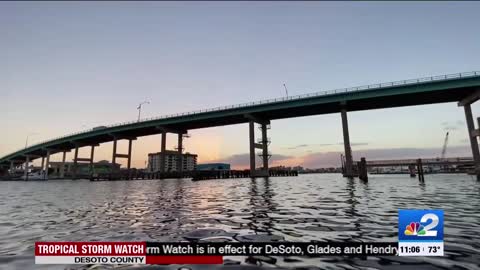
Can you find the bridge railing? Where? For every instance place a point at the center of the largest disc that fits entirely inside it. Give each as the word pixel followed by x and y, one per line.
pixel 283 99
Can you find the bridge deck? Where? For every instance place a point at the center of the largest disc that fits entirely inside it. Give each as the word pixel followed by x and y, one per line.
pixel 425 161
pixel 429 90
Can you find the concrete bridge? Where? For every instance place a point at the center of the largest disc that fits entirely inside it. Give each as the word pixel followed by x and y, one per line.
pixel 463 88
pixel 425 161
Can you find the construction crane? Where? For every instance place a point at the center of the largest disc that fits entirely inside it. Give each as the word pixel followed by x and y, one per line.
pixel 444 149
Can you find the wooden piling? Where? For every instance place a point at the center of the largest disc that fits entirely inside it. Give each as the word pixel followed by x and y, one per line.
pixel 362 170
pixel 421 178
pixel 411 169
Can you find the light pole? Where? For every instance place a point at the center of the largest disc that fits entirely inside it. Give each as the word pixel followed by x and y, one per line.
pixel 139 108
pixel 286 91
pixel 29 134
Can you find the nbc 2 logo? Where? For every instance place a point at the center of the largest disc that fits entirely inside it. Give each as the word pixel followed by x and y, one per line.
pixel 420 225
pixel 415 228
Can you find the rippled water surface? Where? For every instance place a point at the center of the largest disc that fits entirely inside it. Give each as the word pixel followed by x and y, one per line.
pixel 304 208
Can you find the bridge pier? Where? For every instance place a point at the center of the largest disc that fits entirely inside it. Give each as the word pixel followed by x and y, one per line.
pixel 262 144
pixel 76 159
pixel 42 164
pixel 179 163
pixel 129 162
pixel 180 154
pixel 251 128
pixel 128 156
pixel 114 152
pixel 472 135
pixel 12 166
pixel 75 163
pixel 162 152
pixel 27 161
pixel 346 143
pixel 47 163
pixel 62 168
pixel 92 153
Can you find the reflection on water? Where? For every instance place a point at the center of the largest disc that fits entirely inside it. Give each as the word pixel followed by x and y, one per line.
pixel 309 207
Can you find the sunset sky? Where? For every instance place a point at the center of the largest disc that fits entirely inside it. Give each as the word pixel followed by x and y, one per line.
pixel 70 66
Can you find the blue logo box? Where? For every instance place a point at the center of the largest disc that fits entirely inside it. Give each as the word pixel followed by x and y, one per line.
pixel 420 225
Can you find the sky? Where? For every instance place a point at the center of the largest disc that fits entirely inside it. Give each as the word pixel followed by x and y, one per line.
pixel 71 66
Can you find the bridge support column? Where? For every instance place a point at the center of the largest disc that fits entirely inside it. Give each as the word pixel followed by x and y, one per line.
pixel 75 163
pixel 12 166
pixel 92 153
pixel 62 168
pixel 27 161
pixel 114 155
pixel 43 163
pixel 346 143
pixel 180 154
pixel 264 142
pixel 473 138
pixel 251 128
pixel 162 152
pixel 47 163
pixel 129 161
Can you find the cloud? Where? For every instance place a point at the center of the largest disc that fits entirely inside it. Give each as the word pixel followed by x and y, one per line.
pixel 323 144
pixel 311 159
pixel 332 159
pixel 450 126
pixel 298 146
pixel 355 143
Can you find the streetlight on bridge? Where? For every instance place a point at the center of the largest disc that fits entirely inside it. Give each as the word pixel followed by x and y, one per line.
pixel 29 134
pixel 139 108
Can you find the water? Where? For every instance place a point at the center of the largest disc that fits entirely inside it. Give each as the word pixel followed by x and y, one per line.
pixel 308 207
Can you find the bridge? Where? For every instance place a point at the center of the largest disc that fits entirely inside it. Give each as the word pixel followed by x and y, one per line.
pixel 463 88
pixel 425 161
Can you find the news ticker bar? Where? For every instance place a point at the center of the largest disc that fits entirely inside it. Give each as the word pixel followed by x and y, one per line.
pixel 127 259
pixel 214 249
pixel 311 249
pixel 196 253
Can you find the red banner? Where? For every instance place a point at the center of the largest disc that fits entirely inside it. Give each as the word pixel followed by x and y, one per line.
pixel 90 248
pixel 184 260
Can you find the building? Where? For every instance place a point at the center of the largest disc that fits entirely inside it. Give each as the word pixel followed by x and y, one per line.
pixel 102 166
pixel 213 167
pixel 299 169
pixel 171 161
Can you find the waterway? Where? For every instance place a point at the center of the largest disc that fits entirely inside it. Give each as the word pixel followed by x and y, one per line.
pixel 309 207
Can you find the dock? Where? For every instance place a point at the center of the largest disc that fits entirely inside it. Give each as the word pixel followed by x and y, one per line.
pixel 194 175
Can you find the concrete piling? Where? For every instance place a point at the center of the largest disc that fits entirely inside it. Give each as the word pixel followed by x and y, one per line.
pixel 62 168
pixel 473 139
pixel 47 164
pixel 346 143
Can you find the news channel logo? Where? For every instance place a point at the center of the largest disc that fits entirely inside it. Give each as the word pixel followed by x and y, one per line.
pixel 420 225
